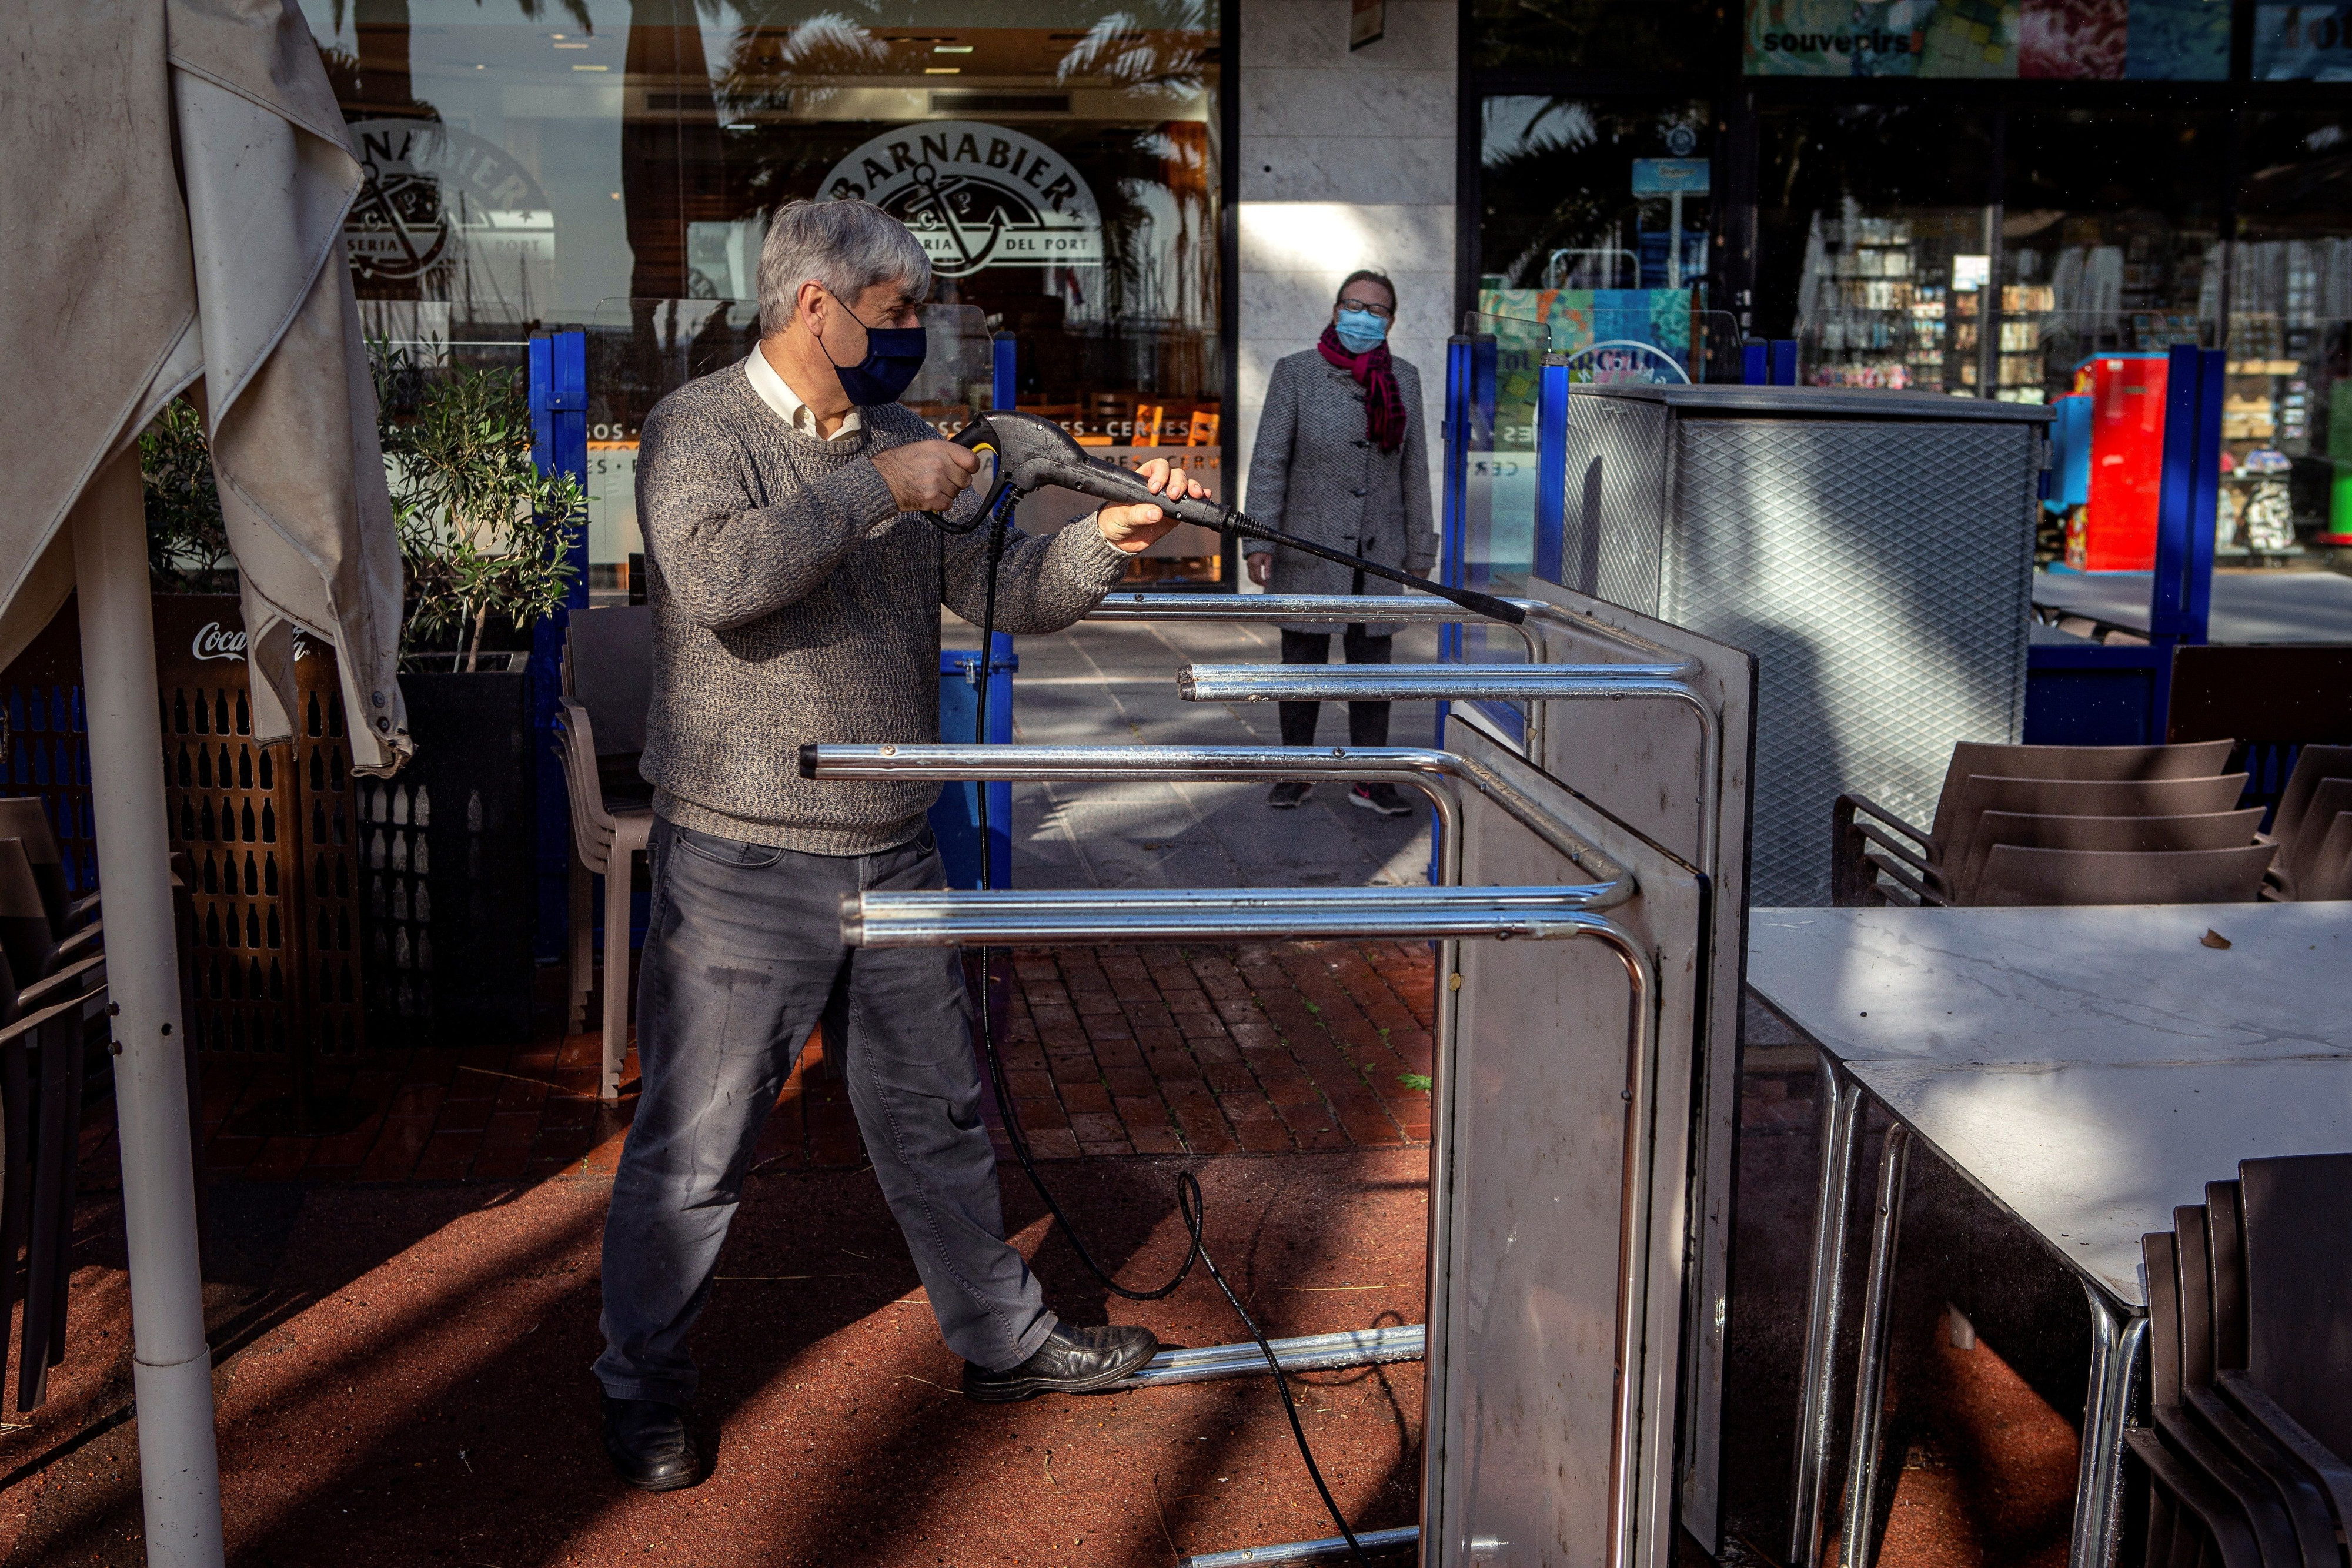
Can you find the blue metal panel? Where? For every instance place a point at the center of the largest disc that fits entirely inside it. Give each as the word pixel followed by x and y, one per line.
pixel 1754 364
pixel 1784 361
pixel 2070 459
pixel 1003 382
pixel 1454 479
pixel 2182 593
pixel 558 424
pixel 955 817
pixel 1551 466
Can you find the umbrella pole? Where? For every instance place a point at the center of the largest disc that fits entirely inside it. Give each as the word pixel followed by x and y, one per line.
pixel 179 1466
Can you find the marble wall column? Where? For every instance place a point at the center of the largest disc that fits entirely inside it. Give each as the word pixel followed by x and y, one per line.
pixel 1347 161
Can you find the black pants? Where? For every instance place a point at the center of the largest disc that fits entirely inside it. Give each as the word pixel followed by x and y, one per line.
pixel 1368 723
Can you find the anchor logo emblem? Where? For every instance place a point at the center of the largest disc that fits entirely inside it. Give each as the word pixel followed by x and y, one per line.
pixel 976 196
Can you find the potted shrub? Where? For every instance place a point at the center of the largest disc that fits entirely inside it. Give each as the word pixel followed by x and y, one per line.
pixel 447 848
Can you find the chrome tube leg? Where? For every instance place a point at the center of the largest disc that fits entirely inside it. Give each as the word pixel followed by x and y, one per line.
pixel 1824 1308
pixel 2116 1339
pixel 1870 1360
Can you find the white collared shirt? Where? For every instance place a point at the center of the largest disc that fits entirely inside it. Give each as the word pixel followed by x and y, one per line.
pixel 779 395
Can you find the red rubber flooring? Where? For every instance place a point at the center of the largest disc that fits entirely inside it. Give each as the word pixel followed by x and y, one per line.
pixel 402 1330
pixel 403 1379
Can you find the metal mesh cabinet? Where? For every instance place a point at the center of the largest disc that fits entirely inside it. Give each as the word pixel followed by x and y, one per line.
pixel 1873 551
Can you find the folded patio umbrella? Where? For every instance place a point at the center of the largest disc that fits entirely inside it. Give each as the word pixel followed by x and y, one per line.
pixel 171 221
pixel 184 232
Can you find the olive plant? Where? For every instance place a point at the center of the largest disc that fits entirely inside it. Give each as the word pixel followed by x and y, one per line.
pixel 187 545
pixel 482 531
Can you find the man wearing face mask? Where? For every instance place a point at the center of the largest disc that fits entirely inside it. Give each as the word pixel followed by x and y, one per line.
pixel 1340 460
pixel 795 597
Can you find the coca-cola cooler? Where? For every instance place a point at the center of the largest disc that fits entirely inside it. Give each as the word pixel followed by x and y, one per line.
pixel 2114 530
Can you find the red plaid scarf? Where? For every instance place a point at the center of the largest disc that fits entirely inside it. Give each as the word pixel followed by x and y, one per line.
pixel 1383 404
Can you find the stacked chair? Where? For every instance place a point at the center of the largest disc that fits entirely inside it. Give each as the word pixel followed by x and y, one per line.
pixel 52 1015
pixel 2250 1316
pixel 608 684
pixel 2313 829
pixel 2062 825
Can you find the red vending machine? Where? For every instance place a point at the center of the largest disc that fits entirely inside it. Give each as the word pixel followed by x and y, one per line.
pixel 2115 529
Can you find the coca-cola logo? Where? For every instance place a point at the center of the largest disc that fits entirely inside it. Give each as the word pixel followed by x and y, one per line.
pixel 213 642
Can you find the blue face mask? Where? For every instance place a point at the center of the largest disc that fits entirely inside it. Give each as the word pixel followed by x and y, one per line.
pixel 893 356
pixel 1361 331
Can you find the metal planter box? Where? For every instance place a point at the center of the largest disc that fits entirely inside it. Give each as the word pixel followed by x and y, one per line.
pixel 1873 551
pixel 445 851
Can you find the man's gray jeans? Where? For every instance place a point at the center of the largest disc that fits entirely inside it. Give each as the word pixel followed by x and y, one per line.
pixel 743 956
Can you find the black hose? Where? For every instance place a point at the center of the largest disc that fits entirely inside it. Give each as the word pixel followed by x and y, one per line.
pixel 1189 1204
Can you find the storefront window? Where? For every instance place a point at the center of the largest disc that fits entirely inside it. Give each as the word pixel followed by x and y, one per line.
pixel 612 165
pixel 2287 413
pixel 1872 234
pixel 2111 239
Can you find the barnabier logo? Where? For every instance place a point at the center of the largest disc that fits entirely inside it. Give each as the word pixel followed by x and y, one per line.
pixel 976 195
pixel 431 192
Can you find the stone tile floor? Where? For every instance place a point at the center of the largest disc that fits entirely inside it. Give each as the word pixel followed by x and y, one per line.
pixel 1154 1051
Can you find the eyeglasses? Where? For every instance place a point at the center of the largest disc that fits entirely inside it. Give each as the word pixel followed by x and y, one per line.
pixel 1368 308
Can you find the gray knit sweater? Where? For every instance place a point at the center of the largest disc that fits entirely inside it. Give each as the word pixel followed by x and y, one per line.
pixel 793 601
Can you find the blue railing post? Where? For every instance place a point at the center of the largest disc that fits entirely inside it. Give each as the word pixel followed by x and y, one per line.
pixel 559 429
pixel 1551 466
pixel 1004 385
pixel 1453 483
pixel 2186 486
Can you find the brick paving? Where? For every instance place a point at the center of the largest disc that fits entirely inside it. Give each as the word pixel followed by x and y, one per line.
pixel 1117 1050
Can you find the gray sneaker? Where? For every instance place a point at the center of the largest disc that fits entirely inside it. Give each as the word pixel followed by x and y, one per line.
pixel 1291 792
pixel 1381 798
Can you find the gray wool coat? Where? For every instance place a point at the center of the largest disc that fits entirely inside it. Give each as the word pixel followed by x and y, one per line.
pixel 1313 473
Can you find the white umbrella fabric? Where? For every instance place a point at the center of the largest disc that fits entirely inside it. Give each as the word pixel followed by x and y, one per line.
pixel 171 220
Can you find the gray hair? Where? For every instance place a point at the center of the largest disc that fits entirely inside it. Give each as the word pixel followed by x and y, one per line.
pixel 846 245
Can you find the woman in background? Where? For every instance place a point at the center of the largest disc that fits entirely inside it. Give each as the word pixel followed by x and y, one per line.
pixel 1341 459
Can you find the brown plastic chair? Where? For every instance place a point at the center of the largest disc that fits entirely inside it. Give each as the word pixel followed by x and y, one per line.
pixel 2237 1510
pixel 23 818
pixel 2300 846
pixel 2284 1484
pixel 2015 877
pixel 2204 830
pixel 1932 879
pixel 1854 878
pixel 41 1074
pixel 2312 766
pixel 26 936
pixel 2329 874
pixel 2295 1231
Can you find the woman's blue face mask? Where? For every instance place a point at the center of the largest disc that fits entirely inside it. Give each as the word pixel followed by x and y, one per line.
pixel 1359 330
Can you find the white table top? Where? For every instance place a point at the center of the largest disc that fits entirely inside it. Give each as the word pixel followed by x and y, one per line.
pixel 2089 1070
pixel 2246 606
pixel 2121 984
pixel 2093 1156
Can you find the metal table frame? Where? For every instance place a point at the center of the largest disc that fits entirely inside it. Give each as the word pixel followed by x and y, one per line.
pixel 2117 1329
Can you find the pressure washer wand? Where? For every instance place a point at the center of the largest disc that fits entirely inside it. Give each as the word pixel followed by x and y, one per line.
pixel 1033 452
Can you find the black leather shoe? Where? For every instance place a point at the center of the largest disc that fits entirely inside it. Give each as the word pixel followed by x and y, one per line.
pixel 648 1444
pixel 1073 1360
